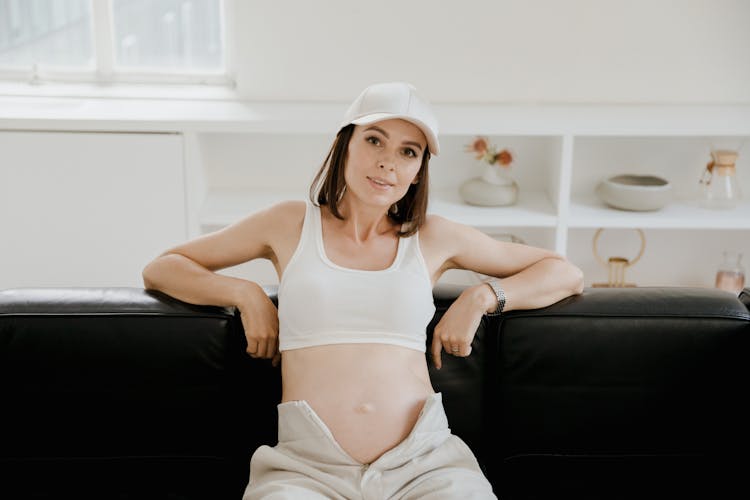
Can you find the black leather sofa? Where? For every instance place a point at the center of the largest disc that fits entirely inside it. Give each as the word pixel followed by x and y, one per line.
pixel 616 393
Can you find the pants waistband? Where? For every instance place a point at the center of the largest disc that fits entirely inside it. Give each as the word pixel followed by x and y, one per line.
pixel 298 421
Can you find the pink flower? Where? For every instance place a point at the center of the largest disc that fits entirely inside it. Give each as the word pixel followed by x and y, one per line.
pixel 479 146
pixel 504 158
pixel 484 151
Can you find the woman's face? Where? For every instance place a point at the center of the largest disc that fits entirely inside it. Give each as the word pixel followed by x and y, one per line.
pixel 383 160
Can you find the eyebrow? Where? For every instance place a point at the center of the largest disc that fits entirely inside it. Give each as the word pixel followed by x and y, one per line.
pixel 375 127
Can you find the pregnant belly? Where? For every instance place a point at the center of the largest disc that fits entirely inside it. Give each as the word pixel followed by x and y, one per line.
pixel 369 395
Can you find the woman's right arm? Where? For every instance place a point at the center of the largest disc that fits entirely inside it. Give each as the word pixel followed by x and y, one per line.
pixel 187 272
pixel 182 277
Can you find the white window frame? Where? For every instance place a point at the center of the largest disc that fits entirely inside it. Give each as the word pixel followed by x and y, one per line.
pixel 104 73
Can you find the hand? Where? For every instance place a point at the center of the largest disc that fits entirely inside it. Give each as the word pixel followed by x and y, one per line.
pixel 455 330
pixel 260 319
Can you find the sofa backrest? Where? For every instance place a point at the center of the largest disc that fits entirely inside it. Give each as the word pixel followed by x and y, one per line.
pixel 120 391
pixel 621 393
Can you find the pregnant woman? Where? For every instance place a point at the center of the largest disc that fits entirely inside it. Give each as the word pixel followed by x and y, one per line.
pixel 357 263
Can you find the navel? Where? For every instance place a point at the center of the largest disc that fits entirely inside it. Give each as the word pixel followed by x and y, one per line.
pixel 365 408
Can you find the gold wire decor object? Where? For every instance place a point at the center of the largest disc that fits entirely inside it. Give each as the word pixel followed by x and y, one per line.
pixel 616 265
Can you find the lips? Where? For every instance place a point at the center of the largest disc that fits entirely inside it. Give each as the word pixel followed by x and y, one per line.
pixel 379 181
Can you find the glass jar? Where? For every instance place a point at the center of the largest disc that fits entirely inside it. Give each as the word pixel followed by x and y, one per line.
pixel 720 186
pixel 731 276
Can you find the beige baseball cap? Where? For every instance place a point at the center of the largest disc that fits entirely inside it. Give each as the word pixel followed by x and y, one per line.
pixel 383 101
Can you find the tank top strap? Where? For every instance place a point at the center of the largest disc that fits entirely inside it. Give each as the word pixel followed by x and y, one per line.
pixel 306 240
pixel 313 219
pixel 307 234
pixel 308 225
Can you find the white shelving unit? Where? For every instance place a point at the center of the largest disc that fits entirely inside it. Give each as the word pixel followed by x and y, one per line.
pixel 243 156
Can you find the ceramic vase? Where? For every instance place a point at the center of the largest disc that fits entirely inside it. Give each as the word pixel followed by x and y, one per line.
pixel 495 188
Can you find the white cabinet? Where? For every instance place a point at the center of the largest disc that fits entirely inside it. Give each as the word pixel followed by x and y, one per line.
pixel 87 209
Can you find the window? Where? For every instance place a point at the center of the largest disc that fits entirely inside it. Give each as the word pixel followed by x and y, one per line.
pixel 113 40
pixel 45 33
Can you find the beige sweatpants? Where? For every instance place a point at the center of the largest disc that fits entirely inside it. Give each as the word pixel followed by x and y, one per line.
pixel 431 463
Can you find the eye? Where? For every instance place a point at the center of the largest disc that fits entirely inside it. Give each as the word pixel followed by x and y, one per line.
pixel 373 140
pixel 410 152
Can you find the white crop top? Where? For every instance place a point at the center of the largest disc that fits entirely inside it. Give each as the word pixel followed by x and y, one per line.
pixel 323 303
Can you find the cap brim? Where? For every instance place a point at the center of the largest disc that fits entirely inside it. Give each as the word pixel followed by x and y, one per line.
pixel 432 141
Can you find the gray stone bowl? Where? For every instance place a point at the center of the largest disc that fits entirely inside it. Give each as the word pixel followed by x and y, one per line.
pixel 635 192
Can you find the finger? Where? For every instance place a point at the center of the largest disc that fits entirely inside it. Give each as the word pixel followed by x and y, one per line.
pixel 451 347
pixel 252 347
pixel 436 348
pixel 261 351
pixel 465 351
pixel 460 350
pixel 271 347
pixel 276 359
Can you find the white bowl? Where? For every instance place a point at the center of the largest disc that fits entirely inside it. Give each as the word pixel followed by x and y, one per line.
pixel 635 192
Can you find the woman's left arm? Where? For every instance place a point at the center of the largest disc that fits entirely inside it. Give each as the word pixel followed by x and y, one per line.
pixel 547 280
pixel 531 278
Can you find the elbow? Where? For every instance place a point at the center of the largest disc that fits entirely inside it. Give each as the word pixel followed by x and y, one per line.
pixel 572 275
pixel 148 282
pixel 158 271
pixel 150 273
pixel 572 279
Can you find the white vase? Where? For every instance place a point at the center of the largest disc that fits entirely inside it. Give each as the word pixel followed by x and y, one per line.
pixel 495 188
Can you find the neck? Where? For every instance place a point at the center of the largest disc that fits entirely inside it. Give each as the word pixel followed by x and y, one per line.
pixel 363 222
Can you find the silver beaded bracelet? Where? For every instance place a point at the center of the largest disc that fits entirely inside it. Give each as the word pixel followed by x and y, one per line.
pixel 500 294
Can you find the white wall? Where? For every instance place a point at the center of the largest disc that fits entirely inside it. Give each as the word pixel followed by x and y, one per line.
pixel 87 209
pixel 529 51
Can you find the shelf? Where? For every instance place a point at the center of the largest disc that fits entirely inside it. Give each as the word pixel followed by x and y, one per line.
pixel 226 206
pixel 680 214
pixel 532 210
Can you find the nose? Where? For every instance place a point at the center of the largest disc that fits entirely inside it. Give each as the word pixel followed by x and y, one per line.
pixel 387 161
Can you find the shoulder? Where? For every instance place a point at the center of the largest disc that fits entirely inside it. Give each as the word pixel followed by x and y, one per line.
pixel 437 228
pixel 441 240
pixel 289 209
pixel 450 239
pixel 277 218
pixel 282 225
pixel 285 215
pixel 440 236
pixel 283 211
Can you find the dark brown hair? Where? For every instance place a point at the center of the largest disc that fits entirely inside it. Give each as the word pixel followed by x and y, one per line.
pixel 329 184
